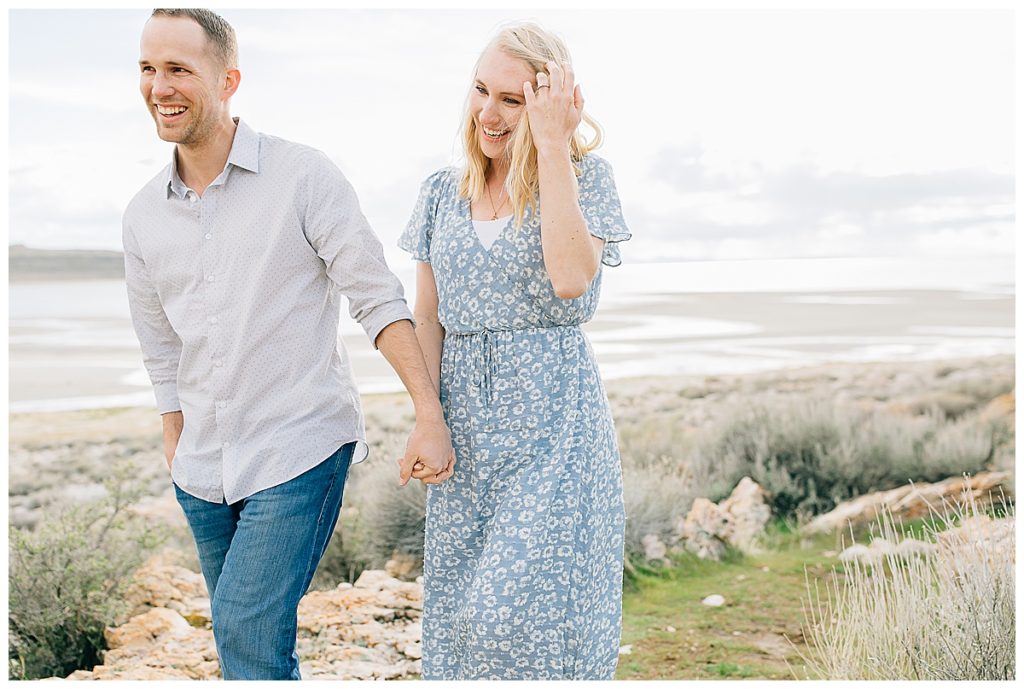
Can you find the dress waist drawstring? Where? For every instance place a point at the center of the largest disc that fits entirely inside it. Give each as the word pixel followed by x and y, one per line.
pixel 479 349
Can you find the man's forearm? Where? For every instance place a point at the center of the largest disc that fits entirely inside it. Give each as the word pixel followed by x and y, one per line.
pixel 430 336
pixel 429 450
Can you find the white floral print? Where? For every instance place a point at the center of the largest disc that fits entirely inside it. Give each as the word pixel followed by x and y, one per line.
pixel 523 545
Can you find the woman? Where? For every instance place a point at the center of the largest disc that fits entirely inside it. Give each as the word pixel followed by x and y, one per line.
pixel 523 546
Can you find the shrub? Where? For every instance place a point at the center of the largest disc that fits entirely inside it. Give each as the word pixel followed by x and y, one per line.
pixel 67 576
pixel 341 562
pixel 656 494
pixel 391 517
pixel 810 455
pixel 945 616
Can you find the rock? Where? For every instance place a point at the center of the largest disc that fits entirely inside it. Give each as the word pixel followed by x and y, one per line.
pixel 161 583
pixel 995 537
pixel 882 546
pixel 911 547
pixel 625 650
pixel 911 501
pixel 747 513
pixel 143 629
pixel 873 554
pixel 700 530
pixel 858 552
pixel 367 631
pixel 714 600
pixel 737 521
pixel 403 566
pixel 374 579
pixel 654 549
pixel 670 628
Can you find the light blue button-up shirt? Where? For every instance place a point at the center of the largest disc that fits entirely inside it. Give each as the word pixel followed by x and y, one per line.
pixel 235 300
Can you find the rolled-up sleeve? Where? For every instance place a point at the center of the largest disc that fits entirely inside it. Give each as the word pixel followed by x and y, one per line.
pixel 161 346
pixel 341 236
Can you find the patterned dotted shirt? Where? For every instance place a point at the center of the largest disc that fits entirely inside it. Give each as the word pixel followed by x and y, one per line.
pixel 235 298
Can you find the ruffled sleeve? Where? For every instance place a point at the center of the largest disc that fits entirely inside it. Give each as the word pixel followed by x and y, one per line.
pixel 420 228
pixel 599 201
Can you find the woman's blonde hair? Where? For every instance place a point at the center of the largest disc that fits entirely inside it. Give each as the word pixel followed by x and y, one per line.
pixel 535 46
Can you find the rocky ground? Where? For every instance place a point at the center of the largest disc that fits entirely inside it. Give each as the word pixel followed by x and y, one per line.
pixel 371 629
pixel 366 630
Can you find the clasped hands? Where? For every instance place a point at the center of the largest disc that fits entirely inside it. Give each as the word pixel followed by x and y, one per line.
pixel 429 455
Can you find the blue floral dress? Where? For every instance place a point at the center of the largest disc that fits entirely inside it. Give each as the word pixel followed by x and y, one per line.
pixel 523 547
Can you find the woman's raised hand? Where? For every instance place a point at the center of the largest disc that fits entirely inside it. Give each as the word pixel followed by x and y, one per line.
pixel 554 107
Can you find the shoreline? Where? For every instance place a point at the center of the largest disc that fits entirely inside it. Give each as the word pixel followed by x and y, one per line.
pixel 92 360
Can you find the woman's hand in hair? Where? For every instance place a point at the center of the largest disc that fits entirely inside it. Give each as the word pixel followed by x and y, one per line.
pixel 554 107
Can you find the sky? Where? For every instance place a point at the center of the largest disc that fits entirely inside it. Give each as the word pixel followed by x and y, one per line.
pixel 733 134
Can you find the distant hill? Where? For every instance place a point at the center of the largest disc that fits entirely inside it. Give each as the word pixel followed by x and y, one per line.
pixel 27 264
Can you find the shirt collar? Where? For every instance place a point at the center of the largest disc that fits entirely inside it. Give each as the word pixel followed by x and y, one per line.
pixel 245 153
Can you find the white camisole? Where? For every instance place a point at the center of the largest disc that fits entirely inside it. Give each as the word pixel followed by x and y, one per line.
pixel 489 230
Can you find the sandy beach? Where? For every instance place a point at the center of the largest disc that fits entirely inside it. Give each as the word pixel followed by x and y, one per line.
pixel 94 360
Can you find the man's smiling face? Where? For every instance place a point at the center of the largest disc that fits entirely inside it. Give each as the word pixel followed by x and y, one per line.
pixel 181 79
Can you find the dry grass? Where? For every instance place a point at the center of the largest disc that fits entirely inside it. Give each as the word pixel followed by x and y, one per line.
pixel 944 616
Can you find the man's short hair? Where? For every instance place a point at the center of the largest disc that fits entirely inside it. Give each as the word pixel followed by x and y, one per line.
pixel 217 30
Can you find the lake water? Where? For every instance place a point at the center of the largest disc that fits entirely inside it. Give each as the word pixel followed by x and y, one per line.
pixel 72 345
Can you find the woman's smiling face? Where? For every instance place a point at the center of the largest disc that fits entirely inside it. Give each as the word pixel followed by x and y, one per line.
pixel 497 102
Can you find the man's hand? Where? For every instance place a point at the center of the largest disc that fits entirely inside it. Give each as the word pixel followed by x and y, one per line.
pixel 174 422
pixel 430 445
pixel 428 454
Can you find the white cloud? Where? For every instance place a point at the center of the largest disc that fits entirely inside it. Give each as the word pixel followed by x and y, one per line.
pixel 737 133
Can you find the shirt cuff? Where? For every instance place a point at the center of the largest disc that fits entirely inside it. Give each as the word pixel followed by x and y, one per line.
pixel 167 397
pixel 384 315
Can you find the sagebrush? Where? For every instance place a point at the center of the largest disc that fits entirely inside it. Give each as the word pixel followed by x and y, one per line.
pixel 67 577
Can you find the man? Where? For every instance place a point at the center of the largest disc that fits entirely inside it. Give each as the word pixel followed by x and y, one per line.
pixel 235 255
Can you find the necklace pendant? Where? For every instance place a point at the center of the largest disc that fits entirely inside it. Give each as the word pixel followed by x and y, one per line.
pixel 494 217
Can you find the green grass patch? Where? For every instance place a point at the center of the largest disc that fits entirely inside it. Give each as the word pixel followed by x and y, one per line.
pixel 673 635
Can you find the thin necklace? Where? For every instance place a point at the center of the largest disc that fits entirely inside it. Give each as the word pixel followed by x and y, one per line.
pixel 494 209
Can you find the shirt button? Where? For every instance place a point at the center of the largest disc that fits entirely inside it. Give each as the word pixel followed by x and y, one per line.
pixel 227 445
pixel 218 362
pixel 210 278
pixel 222 404
pixel 209 235
pixel 212 319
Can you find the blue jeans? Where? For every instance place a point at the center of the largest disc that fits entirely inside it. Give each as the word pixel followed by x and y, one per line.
pixel 258 557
